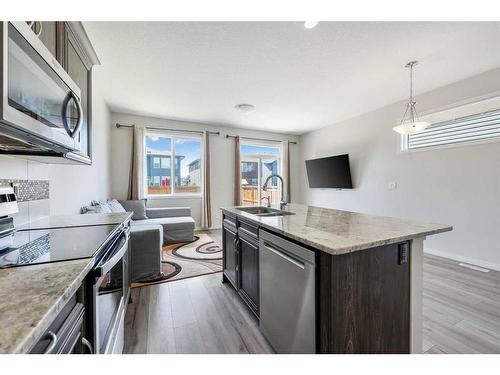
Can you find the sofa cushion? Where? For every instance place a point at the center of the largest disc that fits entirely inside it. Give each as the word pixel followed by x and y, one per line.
pixel 138 207
pixel 168 223
pixel 146 227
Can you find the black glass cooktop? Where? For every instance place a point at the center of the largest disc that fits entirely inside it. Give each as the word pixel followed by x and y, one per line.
pixel 52 245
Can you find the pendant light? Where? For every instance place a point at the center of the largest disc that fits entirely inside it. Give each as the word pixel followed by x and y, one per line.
pixel 410 123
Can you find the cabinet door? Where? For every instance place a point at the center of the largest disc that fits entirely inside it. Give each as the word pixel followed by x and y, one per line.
pixel 230 253
pixel 76 63
pixel 249 273
pixel 47 33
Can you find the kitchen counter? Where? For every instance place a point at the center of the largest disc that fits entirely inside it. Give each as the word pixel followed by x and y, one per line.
pixel 32 296
pixel 64 221
pixel 339 232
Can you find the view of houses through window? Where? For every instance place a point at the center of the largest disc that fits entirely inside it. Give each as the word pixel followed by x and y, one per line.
pixel 183 175
pixel 258 161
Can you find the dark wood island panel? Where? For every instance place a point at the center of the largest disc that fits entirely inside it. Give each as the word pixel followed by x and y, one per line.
pixel 364 301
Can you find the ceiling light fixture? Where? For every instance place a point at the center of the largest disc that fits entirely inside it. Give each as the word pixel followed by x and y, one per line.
pixel 410 123
pixel 310 24
pixel 245 108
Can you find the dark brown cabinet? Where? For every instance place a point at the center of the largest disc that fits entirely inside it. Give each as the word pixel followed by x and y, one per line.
pixel 230 258
pixel 47 33
pixel 241 259
pixel 249 271
pixel 79 68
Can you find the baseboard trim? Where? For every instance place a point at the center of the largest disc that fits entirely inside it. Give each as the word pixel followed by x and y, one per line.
pixel 459 258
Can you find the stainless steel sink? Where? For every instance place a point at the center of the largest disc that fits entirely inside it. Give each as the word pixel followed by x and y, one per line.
pixel 264 211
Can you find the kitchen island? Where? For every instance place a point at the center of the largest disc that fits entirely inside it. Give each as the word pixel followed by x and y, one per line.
pixel 328 281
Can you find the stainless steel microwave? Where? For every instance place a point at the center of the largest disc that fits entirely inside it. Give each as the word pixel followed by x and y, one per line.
pixel 40 110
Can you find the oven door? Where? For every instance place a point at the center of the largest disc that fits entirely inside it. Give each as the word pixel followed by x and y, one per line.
pixel 110 293
pixel 39 98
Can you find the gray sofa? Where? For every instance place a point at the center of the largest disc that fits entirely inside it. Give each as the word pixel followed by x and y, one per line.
pixel 177 223
pixel 150 230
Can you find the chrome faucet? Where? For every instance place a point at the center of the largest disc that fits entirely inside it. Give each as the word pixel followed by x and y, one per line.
pixel 264 187
pixel 268 200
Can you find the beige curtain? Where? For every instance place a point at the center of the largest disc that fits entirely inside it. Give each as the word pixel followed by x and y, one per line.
pixel 136 176
pixel 237 174
pixel 206 217
pixel 286 170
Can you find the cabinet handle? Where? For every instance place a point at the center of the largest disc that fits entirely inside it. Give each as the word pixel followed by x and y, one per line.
pixel 88 345
pixel 40 29
pixel 285 256
pixel 53 341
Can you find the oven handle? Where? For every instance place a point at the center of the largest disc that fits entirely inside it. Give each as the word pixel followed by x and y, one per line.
pixel 117 254
pixel 71 95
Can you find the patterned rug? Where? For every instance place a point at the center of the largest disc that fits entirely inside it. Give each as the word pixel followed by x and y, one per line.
pixel 188 259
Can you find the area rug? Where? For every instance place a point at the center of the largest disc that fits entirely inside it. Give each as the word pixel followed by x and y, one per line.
pixel 202 256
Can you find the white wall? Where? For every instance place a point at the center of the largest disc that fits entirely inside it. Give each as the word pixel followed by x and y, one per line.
pixel 458 186
pixel 222 162
pixel 71 186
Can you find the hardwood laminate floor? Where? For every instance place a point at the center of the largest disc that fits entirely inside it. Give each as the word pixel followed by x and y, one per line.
pixel 202 315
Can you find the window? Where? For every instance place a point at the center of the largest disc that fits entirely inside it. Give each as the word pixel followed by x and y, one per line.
pixel 156 163
pixel 258 161
pixel 183 175
pixel 462 130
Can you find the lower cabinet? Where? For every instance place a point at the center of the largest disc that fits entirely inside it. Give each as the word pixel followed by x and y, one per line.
pixel 249 272
pixel 230 255
pixel 241 260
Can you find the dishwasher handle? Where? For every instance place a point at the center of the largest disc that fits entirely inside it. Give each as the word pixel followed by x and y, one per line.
pixel 284 256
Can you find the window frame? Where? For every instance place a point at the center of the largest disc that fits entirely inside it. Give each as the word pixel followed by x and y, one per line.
pixel 173 137
pixel 474 106
pixel 244 157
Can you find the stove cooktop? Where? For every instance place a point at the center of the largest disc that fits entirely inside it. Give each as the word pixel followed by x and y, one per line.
pixel 52 245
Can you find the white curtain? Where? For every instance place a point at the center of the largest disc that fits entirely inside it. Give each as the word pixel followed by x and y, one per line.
pixel 206 216
pixel 285 145
pixel 137 183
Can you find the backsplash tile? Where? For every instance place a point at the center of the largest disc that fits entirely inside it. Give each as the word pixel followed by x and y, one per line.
pixel 29 190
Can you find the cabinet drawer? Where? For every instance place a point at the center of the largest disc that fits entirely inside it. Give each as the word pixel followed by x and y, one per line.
pixel 248 229
pixel 229 221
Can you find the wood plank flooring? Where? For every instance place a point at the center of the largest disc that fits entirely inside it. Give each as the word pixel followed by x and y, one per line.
pixel 461 308
pixel 202 315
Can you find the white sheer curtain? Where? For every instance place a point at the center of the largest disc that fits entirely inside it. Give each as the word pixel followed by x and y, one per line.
pixel 285 145
pixel 136 185
pixel 206 216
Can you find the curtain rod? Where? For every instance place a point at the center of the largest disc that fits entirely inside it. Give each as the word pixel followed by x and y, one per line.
pixel 118 125
pixel 258 139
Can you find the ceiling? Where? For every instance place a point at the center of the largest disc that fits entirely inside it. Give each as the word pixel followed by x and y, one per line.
pixel 298 79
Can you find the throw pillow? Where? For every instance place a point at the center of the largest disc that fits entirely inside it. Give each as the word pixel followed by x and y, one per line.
pixel 115 206
pixel 138 207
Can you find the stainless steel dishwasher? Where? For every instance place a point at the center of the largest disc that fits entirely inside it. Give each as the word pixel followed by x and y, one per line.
pixel 287 294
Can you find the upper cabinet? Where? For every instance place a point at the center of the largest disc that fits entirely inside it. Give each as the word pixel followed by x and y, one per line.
pixel 47 33
pixel 70 45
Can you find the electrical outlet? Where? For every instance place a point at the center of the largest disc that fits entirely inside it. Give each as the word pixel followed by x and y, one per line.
pixel 393 185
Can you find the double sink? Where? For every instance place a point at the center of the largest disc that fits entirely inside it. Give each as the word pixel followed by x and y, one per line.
pixel 264 211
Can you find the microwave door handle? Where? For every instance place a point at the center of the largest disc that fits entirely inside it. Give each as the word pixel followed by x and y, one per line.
pixel 79 109
pixel 103 269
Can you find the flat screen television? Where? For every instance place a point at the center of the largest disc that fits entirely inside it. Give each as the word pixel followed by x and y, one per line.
pixel 330 172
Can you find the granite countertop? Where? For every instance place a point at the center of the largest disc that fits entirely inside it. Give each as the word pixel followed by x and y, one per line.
pixel 61 221
pixel 32 296
pixel 339 232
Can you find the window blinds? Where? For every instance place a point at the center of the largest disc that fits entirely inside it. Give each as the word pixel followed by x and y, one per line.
pixel 465 129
